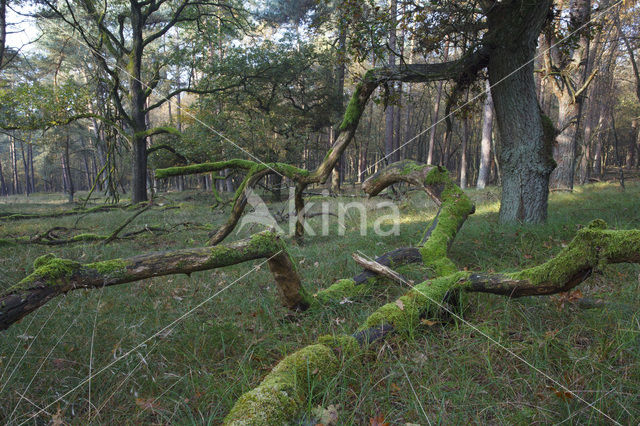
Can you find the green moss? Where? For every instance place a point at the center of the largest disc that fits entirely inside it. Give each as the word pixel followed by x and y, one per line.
pixel 424 299
pixel 48 270
pixel 43 260
pixel 354 110
pixel 204 168
pixel 592 248
pixel 283 391
pixel 286 169
pixel 5 242
pixel 341 289
pixel 111 268
pixel 329 151
pixel 343 343
pixel 455 208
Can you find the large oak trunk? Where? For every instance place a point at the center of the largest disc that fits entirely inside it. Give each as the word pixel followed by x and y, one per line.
pixel 526 157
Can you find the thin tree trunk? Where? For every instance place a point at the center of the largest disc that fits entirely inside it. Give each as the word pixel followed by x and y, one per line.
pixel 66 169
pixel 436 112
pixel 389 121
pixel 30 162
pixel 14 164
pixel 27 180
pixel 463 156
pixel 3 30
pixel 485 143
pixel 3 185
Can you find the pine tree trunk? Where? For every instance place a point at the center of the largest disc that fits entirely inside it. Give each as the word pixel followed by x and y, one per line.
pixel 485 143
pixel 389 121
pixel 14 164
pixel 27 180
pixel 436 113
pixel 3 185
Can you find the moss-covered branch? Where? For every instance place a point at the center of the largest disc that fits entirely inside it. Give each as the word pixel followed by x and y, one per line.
pixel 53 276
pixel 281 394
pixel 454 208
pixel 6 217
pixel 287 170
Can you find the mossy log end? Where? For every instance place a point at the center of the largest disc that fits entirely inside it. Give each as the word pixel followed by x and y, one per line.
pixel 53 276
pixel 275 400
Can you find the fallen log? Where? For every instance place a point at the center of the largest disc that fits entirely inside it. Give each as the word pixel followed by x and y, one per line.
pixel 281 395
pixel 53 276
pixel 6 217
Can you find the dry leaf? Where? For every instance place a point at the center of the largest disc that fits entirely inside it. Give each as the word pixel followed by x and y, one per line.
pixel 378 421
pixel 56 419
pixel 428 323
pixel 147 403
pixel 565 396
pixel 400 305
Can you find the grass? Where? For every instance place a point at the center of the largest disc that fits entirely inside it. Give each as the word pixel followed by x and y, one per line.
pixel 451 372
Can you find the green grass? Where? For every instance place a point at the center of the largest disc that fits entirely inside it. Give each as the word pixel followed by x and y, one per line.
pixel 195 372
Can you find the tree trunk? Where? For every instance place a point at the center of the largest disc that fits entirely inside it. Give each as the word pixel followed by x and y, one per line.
pixel 138 101
pixel 463 157
pixel 3 30
pixel 27 180
pixel 631 152
pixel 526 157
pixel 14 164
pixel 30 162
pixel 338 170
pixel 570 94
pixel 389 119
pixel 485 143
pixel 3 185
pixel 436 113
pixel 66 169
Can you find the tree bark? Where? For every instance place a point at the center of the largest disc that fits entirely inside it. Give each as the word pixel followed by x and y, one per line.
pixel 570 89
pixel 66 169
pixel 485 143
pixel 3 30
pixel 526 156
pixel 138 102
pixel 14 164
pixel 3 185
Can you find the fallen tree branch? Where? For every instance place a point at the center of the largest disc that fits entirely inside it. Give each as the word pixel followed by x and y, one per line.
pixel 378 269
pixel 54 276
pixel 5 217
pixel 115 233
pixel 282 393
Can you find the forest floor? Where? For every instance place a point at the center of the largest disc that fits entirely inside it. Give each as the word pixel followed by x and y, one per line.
pixel 446 373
